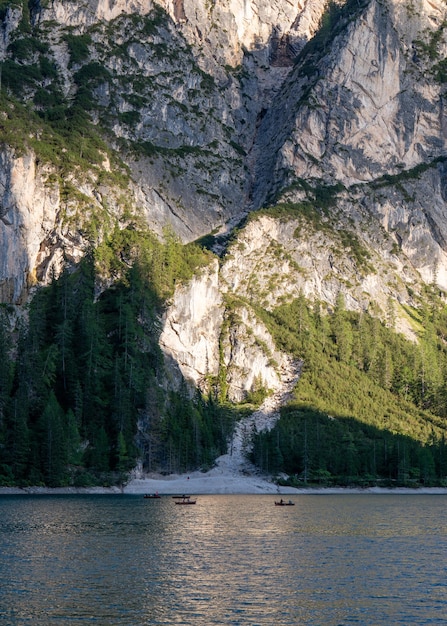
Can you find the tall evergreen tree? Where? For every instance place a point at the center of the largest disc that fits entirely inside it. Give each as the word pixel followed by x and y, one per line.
pixel 6 365
pixel 342 330
pixel 52 440
pixel 16 452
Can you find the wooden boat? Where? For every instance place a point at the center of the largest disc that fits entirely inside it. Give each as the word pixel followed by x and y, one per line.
pixel 186 500
pixel 284 503
pixel 152 496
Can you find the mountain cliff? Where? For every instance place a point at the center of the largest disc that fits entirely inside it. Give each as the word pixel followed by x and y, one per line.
pixel 303 142
pixel 213 110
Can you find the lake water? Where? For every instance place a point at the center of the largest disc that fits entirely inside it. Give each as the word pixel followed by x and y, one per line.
pixel 122 560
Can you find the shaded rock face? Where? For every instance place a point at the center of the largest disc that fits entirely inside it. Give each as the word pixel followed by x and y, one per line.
pixel 36 221
pixel 370 106
pixel 368 114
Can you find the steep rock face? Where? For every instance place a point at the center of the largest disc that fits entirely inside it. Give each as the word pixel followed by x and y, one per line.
pixel 218 108
pixel 368 114
pixel 283 259
pixel 225 27
pixel 28 215
pixel 192 326
pixel 177 113
pixel 13 16
pixel 178 93
pixel 250 361
pixel 212 333
pixel 85 14
pixel 205 339
pixel 414 212
pixel 169 118
pixel 369 107
pixel 42 227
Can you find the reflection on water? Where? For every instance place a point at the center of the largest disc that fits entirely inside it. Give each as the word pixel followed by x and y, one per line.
pixel 123 560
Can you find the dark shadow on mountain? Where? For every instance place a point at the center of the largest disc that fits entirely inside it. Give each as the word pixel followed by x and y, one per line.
pixel 312 447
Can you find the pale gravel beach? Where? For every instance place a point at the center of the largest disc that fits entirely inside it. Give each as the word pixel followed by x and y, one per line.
pixel 216 481
pixel 212 482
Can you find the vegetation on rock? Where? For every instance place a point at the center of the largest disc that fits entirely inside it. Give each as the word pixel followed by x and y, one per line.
pixel 83 382
pixel 83 394
pixel 370 406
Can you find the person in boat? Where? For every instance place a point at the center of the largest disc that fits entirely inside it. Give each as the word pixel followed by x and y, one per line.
pixel 281 501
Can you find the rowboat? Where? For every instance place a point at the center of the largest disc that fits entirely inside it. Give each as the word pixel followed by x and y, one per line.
pixel 152 495
pixel 284 503
pixel 186 501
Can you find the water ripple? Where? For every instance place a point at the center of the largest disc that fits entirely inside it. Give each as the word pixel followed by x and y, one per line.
pixel 124 561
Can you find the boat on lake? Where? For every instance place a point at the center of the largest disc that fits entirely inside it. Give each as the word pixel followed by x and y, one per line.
pixel 185 500
pixel 284 503
pixel 152 495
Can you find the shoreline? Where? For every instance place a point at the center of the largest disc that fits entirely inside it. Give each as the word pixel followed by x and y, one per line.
pixel 213 482
pixel 85 491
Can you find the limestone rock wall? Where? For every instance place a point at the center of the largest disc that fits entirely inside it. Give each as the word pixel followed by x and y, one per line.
pixel 172 94
pixel 192 327
pixel 370 107
pixel 204 339
pixel 28 217
pixel 223 27
pixel 218 108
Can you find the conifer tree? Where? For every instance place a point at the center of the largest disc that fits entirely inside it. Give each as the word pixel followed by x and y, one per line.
pixel 73 440
pixel 17 440
pixel 6 366
pixel 123 458
pixel 98 454
pixel 52 440
pixel 342 330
